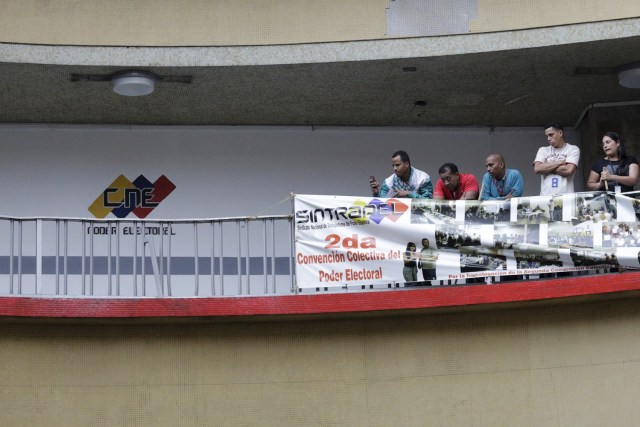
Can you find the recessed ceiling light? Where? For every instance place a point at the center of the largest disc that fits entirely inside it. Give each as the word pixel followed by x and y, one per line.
pixel 133 83
pixel 629 76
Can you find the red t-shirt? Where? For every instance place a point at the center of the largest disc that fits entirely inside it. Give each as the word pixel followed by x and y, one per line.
pixel 467 183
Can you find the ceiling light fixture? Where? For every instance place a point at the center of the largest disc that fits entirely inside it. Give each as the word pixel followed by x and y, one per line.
pixel 133 83
pixel 629 76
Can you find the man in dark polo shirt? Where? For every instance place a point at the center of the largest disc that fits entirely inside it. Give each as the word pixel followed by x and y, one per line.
pixel 454 185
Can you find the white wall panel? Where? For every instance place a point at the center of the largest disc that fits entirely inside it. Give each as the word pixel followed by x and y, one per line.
pixel 229 171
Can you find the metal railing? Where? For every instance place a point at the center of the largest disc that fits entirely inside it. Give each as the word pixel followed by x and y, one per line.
pixel 235 256
pixel 146 258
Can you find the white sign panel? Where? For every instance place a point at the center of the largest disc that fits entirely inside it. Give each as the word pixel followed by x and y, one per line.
pixel 343 241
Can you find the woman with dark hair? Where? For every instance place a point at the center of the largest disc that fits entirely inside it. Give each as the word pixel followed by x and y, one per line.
pixel 410 269
pixel 617 170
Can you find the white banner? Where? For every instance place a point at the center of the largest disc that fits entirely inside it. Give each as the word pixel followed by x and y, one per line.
pixel 343 241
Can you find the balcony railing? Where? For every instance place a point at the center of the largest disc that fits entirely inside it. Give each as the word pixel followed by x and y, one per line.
pixel 78 257
pixel 145 258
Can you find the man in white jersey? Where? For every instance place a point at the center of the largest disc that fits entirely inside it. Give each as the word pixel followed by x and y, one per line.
pixel 557 163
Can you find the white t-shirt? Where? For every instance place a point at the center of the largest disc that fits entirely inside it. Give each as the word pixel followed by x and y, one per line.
pixel 552 184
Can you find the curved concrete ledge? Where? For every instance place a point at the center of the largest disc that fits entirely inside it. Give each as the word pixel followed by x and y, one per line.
pixel 448 297
pixel 318 52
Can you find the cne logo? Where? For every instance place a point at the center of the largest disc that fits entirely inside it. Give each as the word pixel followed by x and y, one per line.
pixel 122 197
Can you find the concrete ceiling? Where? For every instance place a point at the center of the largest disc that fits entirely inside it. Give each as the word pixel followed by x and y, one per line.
pixel 523 87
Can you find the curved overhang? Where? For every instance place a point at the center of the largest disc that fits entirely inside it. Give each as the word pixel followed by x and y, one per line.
pixel 371 50
pixel 514 78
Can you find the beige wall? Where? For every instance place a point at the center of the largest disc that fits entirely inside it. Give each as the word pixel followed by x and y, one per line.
pixel 500 15
pixel 190 22
pixel 562 365
pixel 259 22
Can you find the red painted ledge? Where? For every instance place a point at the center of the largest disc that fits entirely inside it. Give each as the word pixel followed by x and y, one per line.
pixel 357 302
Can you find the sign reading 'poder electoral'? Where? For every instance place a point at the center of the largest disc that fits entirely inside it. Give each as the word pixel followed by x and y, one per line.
pixel 356 240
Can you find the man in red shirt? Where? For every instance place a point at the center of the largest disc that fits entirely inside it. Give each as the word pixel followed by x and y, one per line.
pixel 454 185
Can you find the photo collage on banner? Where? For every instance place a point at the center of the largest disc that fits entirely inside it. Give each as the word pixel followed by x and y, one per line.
pixel 342 241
